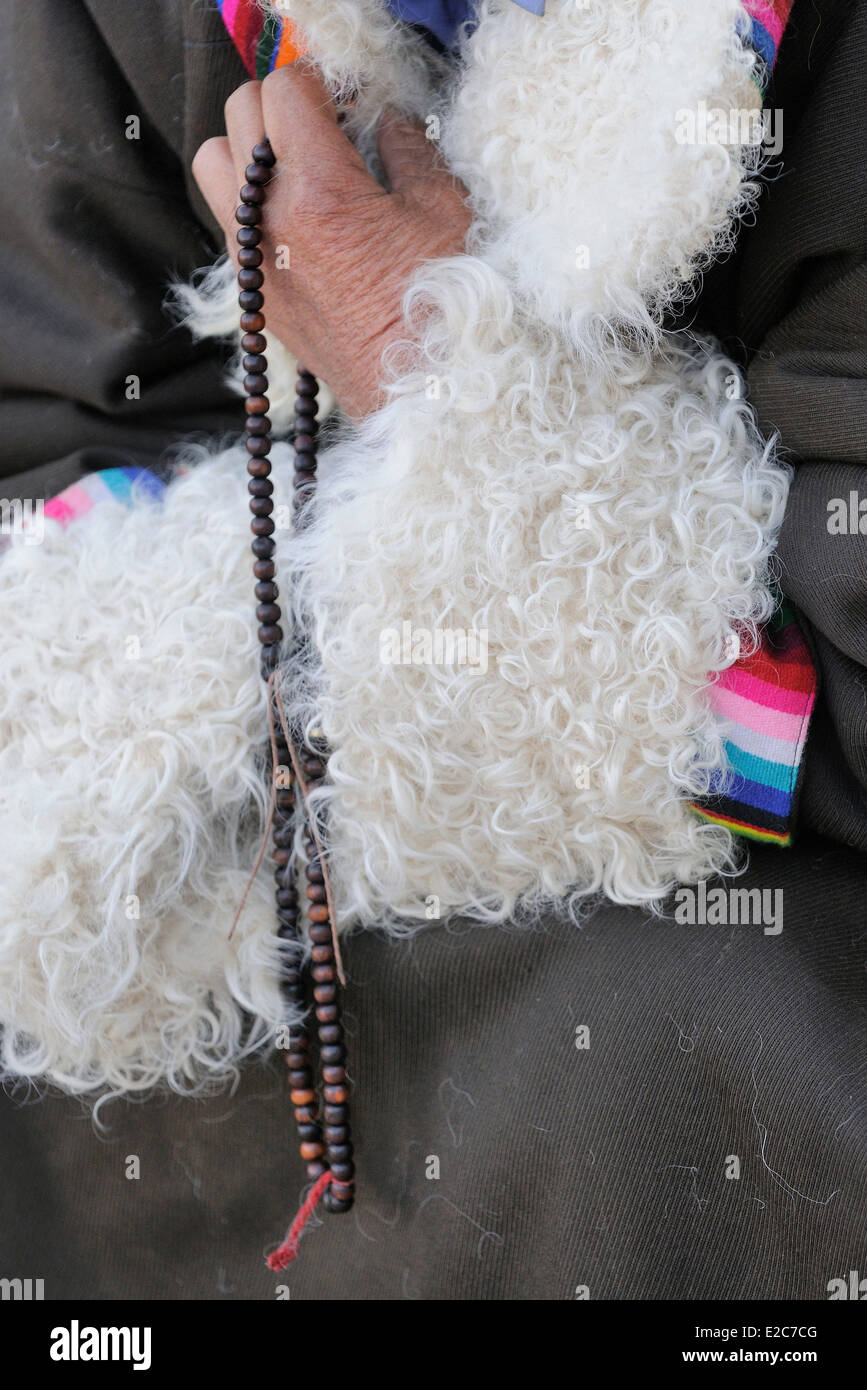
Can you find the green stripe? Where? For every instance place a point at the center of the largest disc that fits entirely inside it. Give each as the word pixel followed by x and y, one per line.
pixel 266 45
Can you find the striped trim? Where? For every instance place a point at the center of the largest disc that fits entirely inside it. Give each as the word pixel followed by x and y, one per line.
pixel 765 702
pixel 263 41
pixel 764 33
pixel 122 484
pixel 266 42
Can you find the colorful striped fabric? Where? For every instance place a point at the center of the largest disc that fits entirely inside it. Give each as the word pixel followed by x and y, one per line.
pixel 263 41
pixel 769 19
pixel 764 702
pixel 120 483
pixel 266 42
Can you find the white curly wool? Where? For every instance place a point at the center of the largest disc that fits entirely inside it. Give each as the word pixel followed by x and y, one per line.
pixel 129 793
pixel 566 133
pixel 520 574
pixel 602 535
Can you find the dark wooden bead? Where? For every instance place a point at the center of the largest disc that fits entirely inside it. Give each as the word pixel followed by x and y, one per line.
pixel 269 660
pixel 252 323
pixel 255 383
pixel 250 279
pixel 268 612
pixel 250 258
pixel 258 468
pixel 254 342
pixel 302 1097
pixel 317 894
pixel 305 466
pixel 336 1134
pixel 339 1153
pixel 305 1114
pixel 327 1013
pixel 306 407
pixel 314 873
pixel 260 487
pixel 335 1114
pixel 261 506
pixel 304 443
pixel 311 1132
pixel 256 405
pixel 281 857
pixel 263 569
pixel 269 636
pixel 285 896
pixel 334 1095
pixel 306 386
pixel 263 154
pixel 251 194
pixel 298 1057
pixel 248 236
pixel 320 933
pixel 254 362
pixel 338 1199
pixel 312 1150
pixel 262 526
pixel 251 300
pixel 325 992
pixel 259 445
pixel 267 590
pixel 317 912
pixel 331 1033
pixel 299 1079
pixel 314 769
pixel 321 953
pixel 285 798
pixel 333 1054
pixel 324 974
pixel 332 1204
pixel 257 424
pixel 257 172
pixel 263 548
pixel 316 1169
pixel 334 1074
pixel 248 216
pixel 343 1172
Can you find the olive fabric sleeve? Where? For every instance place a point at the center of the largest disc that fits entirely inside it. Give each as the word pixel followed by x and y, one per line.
pixel 104 103
pixel 807 256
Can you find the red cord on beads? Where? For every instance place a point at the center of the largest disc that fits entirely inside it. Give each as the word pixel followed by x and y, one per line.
pixel 285 1253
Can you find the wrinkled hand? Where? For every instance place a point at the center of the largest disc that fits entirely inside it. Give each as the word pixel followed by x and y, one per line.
pixel 353 246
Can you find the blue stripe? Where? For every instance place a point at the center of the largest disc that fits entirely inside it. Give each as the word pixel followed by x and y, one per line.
pixel 777 775
pixel 763 43
pixel 118 482
pixel 273 57
pixel 144 483
pixel 738 788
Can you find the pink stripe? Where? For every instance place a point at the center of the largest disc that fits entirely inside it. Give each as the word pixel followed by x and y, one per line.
pixel 74 501
pixel 759 9
pixel 230 14
pixel 761 692
pixel 791 728
pixel 57 510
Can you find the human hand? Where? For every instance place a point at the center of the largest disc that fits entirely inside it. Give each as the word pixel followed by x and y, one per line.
pixel 353 245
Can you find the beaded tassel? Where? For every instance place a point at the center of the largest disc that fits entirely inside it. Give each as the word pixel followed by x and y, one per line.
pixel 326 1151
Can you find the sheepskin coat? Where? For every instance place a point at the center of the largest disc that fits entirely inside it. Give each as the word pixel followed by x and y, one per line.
pixel 581 489
pixel 602 1168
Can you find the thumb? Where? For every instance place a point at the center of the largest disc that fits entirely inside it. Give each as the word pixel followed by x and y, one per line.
pixel 410 159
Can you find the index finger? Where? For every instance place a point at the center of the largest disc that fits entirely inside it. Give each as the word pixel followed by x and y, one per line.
pixel 301 121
